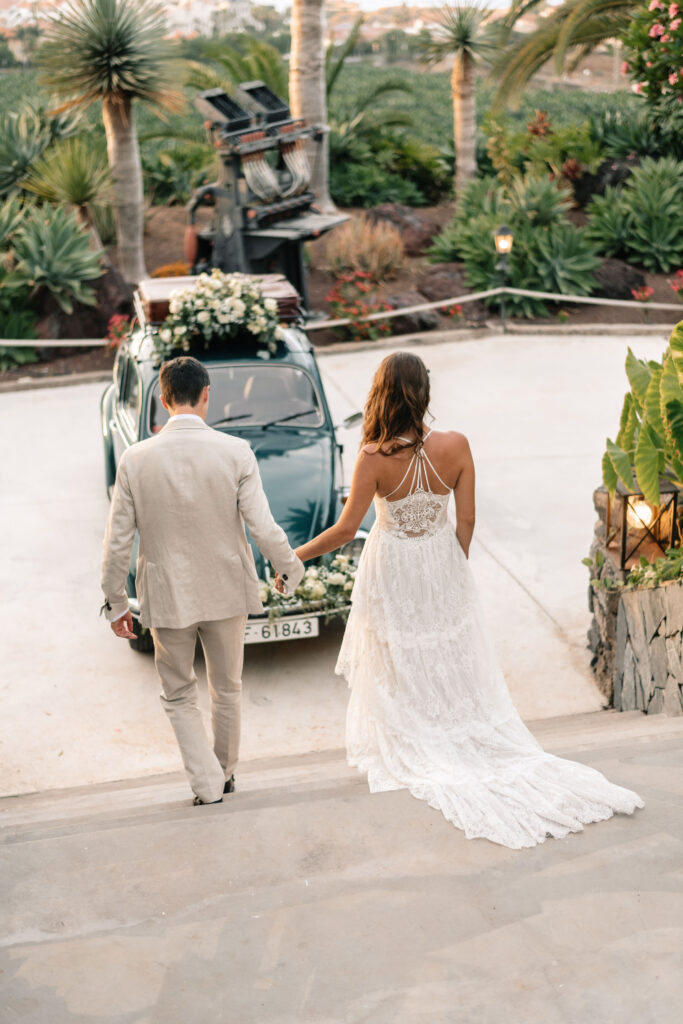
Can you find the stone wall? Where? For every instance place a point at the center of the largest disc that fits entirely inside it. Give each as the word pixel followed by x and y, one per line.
pixel 648 665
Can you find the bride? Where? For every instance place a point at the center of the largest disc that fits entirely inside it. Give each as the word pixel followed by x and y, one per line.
pixel 429 709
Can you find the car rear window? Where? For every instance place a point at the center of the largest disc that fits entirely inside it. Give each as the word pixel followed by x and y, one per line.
pixel 251 395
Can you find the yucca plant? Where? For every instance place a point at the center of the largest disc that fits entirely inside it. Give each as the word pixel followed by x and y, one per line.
pixel 649 443
pixel 464 33
pixel 73 173
pixel 51 252
pixel 114 52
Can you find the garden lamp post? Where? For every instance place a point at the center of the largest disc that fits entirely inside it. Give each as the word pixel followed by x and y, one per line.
pixel 503 239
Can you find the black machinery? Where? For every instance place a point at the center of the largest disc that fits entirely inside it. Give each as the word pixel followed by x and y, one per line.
pixel 263 206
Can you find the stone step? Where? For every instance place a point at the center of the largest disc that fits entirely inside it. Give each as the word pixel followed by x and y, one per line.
pixel 266 781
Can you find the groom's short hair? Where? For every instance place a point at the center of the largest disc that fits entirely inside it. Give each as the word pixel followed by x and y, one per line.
pixel 182 380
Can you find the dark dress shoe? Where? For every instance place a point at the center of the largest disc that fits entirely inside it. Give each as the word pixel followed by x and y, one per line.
pixel 229 786
pixel 200 803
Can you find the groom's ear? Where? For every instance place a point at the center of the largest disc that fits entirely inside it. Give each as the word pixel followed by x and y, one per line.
pixel 164 403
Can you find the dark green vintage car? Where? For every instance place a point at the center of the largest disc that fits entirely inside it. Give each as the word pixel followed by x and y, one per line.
pixel 278 405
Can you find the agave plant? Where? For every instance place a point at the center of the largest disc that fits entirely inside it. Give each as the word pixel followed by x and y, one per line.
pixel 114 52
pixel 72 173
pixel 51 252
pixel 650 439
pixel 23 139
pixel 12 213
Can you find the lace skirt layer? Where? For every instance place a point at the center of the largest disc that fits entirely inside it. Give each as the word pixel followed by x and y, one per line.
pixel 429 709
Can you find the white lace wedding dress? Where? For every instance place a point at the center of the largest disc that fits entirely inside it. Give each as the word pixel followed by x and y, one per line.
pixel 429 709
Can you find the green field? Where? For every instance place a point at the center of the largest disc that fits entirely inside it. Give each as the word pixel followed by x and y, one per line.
pixel 428 102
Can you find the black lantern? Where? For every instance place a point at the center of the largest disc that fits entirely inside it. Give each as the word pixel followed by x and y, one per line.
pixel 503 239
pixel 637 527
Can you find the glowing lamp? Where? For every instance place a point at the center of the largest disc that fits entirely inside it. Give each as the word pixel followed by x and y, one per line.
pixel 503 239
pixel 636 527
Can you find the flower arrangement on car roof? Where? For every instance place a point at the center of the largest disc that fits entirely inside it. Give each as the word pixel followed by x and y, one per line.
pixel 219 306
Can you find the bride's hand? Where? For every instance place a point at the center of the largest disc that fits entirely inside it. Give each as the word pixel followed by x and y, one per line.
pixel 278 583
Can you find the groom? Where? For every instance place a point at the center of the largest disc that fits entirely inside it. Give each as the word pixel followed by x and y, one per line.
pixel 189 491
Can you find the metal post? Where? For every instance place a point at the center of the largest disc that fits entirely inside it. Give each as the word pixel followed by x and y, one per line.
pixel 502 266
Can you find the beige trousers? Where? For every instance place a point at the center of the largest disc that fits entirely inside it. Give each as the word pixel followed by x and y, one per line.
pixel 174 650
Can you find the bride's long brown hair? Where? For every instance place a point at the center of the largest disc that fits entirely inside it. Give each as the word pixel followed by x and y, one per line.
pixel 397 403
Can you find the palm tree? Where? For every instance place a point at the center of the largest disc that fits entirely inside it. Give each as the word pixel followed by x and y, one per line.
pixel 307 86
pixel 464 33
pixel 577 26
pixel 113 51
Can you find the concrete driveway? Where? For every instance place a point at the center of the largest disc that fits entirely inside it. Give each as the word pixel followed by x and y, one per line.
pixel 81 707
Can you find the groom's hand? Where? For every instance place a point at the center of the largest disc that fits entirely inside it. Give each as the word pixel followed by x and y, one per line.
pixel 123 627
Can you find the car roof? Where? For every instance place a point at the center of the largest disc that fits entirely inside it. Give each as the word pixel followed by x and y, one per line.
pixel 294 348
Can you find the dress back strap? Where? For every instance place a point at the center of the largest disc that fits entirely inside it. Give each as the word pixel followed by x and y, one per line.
pixel 420 478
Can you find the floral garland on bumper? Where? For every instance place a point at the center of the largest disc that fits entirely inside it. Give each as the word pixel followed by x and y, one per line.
pixel 325 588
pixel 217 307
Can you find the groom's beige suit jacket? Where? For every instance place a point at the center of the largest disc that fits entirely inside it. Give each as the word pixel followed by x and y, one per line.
pixel 189 491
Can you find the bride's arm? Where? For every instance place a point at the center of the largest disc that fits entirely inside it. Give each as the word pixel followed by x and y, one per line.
pixel 464 499
pixel 363 487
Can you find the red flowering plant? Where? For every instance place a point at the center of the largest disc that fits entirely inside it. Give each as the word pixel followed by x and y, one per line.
pixel 117 329
pixel 454 310
pixel 354 298
pixel 654 51
pixel 676 284
pixel 643 294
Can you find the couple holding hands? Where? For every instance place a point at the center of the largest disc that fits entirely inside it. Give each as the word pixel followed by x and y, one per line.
pixel 429 709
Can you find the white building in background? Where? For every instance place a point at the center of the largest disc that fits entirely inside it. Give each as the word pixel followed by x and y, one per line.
pixel 183 17
pixel 208 17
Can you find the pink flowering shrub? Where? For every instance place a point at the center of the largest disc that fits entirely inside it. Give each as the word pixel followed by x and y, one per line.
pixel 654 52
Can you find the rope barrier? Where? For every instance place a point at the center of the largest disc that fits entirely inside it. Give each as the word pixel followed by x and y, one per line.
pixel 321 325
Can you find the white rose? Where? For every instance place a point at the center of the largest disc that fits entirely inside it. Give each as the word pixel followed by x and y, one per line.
pixel 311 573
pixel 318 589
pixel 203 317
pixel 178 331
pixel 348 585
pixel 238 307
pixel 253 327
pixel 166 334
pixel 341 560
pixel 223 318
pixel 175 306
pixel 336 579
pixel 263 593
pixel 279 332
pixel 271 305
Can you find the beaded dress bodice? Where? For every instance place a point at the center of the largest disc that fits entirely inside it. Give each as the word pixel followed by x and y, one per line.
pixel 422 511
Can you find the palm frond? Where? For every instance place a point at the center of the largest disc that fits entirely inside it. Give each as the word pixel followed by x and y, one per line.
pixel 334 62
pixel 577 25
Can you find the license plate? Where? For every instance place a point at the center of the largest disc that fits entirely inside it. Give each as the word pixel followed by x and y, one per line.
pixel 291 628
